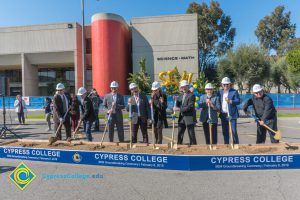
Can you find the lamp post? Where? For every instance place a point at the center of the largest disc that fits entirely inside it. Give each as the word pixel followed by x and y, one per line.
pixel 83 46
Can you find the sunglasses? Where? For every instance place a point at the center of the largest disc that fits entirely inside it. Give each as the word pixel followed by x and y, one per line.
pixel 257 92
pixel 225 84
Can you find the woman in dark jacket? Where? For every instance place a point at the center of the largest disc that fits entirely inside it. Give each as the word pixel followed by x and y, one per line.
pixel 75 112
pixel 159 102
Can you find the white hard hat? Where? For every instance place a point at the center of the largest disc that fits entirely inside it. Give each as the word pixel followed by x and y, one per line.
pixel 60 86
pixel 226 80
pixel 132 85
pixel 209 86
pixel 184 83
pixel 257 88
pixel 81 91
pixel 155 85
pixel 114 84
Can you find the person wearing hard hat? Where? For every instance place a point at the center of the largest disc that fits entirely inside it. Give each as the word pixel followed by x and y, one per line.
pixel 210 105
pixel 88 115
pixel 97 101
pixel 265 111
pixel 159 102
pixel 61 111
pixel 114 103
pixel 229 100
pixel 140 112
pixel 185 104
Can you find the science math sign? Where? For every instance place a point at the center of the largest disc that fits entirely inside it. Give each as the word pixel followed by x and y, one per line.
pixel 156 161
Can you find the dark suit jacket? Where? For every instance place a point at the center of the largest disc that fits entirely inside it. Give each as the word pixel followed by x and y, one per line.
pixel 58 108
pixel 233 95
pixel 213 111
pixel 144 107
pixel 108 99
pixel 187 109
pixel 88 113
pixel 160 107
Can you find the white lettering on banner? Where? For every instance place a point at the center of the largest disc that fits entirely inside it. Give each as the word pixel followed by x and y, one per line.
pixel 16 151
pixel 34 152
pixel 230 160
pixel 133 158
pixel 256 159
pixel 46 153
pixel 273 159
pixel 149 159
pixel 111 157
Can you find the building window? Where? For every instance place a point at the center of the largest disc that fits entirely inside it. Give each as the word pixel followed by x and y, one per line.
pixel 88 46
pixel 14 76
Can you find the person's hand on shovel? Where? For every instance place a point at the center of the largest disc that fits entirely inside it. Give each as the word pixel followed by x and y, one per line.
pixel 262 123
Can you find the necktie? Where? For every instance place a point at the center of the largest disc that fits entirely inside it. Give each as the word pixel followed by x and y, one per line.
pixel 183 98
pixel 64 103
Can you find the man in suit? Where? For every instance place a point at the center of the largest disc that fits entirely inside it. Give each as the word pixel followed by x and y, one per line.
pixel 229 100
pixel 88 115
pixel 185 104
pixel 140 112
pixel 114 102
pixel 60 111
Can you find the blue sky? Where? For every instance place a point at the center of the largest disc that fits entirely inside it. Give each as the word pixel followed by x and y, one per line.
pixel 245 14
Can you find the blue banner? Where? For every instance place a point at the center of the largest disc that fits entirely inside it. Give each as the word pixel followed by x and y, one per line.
pixel 155 161
pixel 280 101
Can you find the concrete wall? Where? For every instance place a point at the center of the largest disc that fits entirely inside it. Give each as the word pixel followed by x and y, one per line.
pixel 166 42
pixel 37 38
pixel 26 47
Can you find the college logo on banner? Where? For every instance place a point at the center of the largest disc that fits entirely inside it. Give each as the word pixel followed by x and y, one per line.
pixel 77 157
pixel 22 176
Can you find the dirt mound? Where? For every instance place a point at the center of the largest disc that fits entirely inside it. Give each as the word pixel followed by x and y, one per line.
pixel 221 149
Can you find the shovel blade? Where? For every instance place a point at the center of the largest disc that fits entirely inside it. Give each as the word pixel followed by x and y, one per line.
pixel 277 135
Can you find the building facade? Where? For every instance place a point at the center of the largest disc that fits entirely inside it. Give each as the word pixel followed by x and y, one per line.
pixel 33 59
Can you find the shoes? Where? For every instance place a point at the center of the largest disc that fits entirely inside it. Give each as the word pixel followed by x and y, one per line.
pixel 48 129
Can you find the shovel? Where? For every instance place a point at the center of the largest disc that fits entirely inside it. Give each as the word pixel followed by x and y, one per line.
pixel 210 129
pixel 76 130
pixel 233 146
pixel 152 119
pixel 172 145
pixel 130 128
pixel 54 139
pixel 277 135
pixel 105 129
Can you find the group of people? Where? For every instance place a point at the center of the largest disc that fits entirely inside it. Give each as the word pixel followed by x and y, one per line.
pixel 68 111
pixel 224 103
pixel 221 104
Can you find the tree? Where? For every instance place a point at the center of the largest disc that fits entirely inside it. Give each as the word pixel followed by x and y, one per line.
pixel 215 34
pixel 274 31
pixel 279 74
pixel 141 78
pixel 293 61
pixel 246 66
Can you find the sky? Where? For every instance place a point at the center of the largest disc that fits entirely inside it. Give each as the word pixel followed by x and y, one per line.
pixel 245 14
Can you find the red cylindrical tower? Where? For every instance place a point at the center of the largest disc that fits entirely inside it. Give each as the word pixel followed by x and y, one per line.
pixel 111 46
